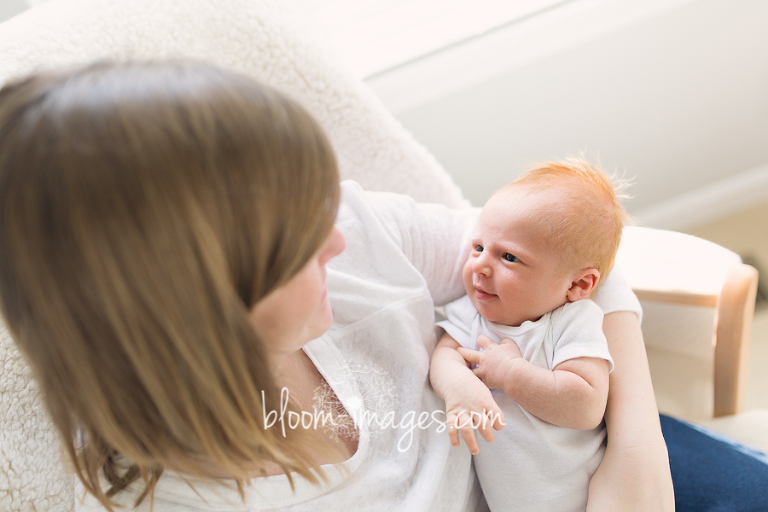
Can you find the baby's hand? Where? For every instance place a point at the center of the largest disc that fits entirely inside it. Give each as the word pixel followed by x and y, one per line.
pixel 469 405
pixel 494 362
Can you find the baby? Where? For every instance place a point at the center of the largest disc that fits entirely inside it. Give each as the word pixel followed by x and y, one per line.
pixel 541 246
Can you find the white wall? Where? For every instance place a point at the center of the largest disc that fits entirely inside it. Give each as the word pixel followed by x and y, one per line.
pixel 10 8
pixel 675 94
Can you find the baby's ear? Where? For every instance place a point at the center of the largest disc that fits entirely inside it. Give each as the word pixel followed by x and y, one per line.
pixel 584 283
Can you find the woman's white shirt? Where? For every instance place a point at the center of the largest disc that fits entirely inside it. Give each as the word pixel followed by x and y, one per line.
pixel 402 259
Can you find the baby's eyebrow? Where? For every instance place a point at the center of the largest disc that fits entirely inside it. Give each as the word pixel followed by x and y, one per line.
pixel 519 253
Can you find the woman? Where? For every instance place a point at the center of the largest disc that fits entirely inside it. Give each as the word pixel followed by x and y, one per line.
pixel 165 233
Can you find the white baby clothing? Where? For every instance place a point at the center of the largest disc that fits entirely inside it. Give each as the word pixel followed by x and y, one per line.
pixel 532 465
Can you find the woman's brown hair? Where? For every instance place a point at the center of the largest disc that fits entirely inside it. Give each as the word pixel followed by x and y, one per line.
pixel 144 209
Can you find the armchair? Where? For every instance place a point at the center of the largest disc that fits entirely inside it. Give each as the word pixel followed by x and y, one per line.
pixel 698 301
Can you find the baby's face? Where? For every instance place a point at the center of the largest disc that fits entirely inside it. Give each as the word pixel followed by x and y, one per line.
pixel 511 275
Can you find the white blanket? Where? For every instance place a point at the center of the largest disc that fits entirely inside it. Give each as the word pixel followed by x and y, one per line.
pixel 264 39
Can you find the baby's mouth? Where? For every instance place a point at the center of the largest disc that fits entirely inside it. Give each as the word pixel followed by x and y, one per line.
pixel 481 294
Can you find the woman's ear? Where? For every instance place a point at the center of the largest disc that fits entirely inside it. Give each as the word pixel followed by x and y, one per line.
pixel 584 283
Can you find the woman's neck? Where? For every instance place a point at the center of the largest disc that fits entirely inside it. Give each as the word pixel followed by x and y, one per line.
pixel 299 375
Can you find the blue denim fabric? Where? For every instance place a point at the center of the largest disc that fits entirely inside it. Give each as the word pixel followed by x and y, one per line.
pixel 713 473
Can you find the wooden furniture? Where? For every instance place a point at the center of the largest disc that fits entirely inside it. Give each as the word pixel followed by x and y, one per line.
pixel 698 300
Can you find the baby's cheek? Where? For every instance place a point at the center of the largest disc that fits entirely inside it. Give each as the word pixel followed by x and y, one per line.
pixel 467 277
pixel 488 311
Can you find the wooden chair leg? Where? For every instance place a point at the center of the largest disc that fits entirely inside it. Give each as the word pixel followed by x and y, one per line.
pixel 733 322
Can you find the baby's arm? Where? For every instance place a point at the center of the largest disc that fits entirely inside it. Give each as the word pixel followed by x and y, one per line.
pixel 573 394
pixel 468 402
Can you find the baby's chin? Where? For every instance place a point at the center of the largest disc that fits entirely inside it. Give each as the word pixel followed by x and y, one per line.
pixel 487 312
pixel 492 314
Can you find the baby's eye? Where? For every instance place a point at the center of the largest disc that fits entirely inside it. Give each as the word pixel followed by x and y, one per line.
pixel 510 257
pixel 479 248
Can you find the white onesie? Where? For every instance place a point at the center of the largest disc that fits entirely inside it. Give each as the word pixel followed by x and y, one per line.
pixel 533 465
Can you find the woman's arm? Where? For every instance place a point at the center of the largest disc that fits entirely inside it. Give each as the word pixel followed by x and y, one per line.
pixel 434 238
pixel 634 474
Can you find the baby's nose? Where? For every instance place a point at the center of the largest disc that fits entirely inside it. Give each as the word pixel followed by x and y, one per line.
pixel 481 266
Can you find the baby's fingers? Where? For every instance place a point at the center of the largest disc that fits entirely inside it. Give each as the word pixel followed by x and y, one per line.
pixel 486 431
pixel 512 345
pixel 468 433
pixel 496 418
pixel 463 423
pixel 453 435
pixel 485 341
pixel 479 372
pixel 492 420
pixel 472 356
